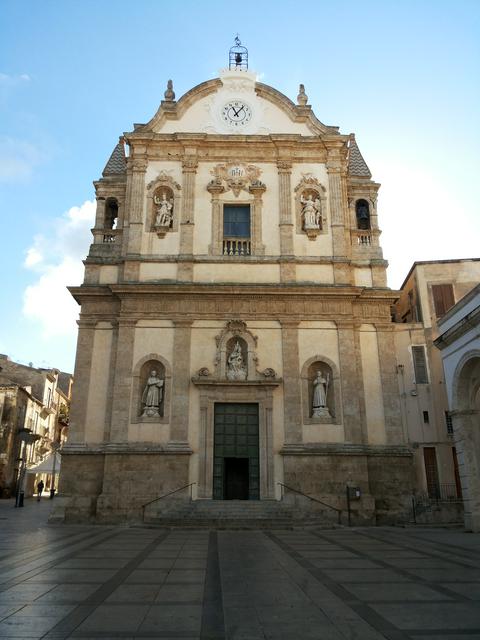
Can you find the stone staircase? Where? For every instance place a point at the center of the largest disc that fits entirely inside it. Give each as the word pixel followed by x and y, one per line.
pixel 238 514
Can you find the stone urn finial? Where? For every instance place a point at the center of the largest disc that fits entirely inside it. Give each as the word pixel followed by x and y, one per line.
pixel 169 93
pixel 302 97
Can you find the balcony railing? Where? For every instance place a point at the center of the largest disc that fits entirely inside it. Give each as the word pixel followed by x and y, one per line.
pixel 236 247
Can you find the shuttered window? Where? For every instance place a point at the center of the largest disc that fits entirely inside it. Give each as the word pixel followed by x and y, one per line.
pixel 420 365
pixel 442 298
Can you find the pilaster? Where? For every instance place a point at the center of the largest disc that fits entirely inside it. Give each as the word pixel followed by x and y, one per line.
pixel 337 218
pixel 122 383
pixel 135 205
pixel 181 380
pixel 291 382
pixel 83 365
pixel 391 401
pixel 286 225
pixel 187 221
pixel 350 377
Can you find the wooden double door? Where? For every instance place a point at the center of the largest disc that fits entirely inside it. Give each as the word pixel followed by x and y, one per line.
pixel 236 470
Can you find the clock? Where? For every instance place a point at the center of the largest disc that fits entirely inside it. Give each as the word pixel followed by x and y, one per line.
pixel 236 114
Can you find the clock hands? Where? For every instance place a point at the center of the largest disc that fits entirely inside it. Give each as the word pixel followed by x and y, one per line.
pixel 237 112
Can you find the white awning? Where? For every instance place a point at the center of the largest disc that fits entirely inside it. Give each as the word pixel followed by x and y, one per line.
pixel 46 466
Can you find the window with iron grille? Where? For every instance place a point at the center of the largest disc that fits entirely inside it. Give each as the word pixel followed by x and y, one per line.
pixel 448 420
pixel 420 365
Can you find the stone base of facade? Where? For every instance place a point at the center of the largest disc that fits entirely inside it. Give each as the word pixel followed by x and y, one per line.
pixel 383 475
pixel 112 488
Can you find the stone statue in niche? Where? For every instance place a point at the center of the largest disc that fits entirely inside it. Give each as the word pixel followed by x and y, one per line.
pixel 152 395
pixel 164 212
pixel 236 369
pixel 311 212
pixel 319 400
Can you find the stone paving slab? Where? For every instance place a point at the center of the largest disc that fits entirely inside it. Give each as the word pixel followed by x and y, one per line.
pixel 100 582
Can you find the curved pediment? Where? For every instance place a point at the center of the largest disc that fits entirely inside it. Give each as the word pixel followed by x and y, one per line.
pixel 235 103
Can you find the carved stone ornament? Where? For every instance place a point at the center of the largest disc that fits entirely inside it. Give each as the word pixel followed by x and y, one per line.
pixel 236 358
pixel 311 206
pixel 237 177
pixel 165 203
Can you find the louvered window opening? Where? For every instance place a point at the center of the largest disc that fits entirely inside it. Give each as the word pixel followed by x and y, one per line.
pixel 420 365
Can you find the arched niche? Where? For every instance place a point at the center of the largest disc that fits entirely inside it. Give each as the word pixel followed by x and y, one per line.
pixel 111 213
pixel 163 204
pixel 329 371
pixel 141 373
pixel 236 332
pixel 362 214
pixel 310 207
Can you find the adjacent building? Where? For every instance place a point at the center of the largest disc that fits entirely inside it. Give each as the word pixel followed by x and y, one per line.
pixel 32 401
pixel 430 289
pixel 459 345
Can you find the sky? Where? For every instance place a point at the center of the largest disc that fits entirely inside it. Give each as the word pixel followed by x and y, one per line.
pixel 404 76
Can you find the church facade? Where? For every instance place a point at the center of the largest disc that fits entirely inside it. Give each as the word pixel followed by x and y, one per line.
pixel 235 331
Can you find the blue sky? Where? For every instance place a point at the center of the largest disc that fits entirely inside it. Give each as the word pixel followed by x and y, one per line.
pixel 74 75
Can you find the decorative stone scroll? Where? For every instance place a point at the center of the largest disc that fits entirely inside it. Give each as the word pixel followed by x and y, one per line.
pixel 164 196
pixel 310 207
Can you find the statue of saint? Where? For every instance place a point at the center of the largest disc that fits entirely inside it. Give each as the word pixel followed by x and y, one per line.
pixel 164 211
pixel 320 389
pixel 236 369
pixel 152 395
pixel 310 212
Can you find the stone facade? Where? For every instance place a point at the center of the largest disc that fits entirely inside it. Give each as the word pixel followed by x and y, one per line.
pixel 268 271
pixel 32 400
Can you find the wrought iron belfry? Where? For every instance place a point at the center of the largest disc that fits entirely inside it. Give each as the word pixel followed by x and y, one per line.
pixel 238 56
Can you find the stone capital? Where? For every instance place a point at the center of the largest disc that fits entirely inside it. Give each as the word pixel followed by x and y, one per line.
pixel 189 164
pixel 284 166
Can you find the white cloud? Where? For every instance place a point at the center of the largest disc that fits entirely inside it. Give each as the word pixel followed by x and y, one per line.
pixel 57 260
pixel 18 159
pixel 7 80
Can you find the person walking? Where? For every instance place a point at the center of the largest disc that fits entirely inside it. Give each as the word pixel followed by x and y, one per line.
pixel 40 486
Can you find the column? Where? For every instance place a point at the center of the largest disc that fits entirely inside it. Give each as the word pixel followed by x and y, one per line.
pixel 135 216
pixel 122 383
pixel 351 382
pixel 388 374
pixel 342 271
pixel 215 189
pixel 286 224
pixel 83 364
pixel 257 189
pixel 181 380
pixel 187 220
pixel 291 382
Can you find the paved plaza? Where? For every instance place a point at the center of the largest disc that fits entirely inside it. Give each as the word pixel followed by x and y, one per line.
pixel 330 584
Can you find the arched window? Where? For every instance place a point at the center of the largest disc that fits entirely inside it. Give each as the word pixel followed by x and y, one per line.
pixel 111 213
pixel 363 214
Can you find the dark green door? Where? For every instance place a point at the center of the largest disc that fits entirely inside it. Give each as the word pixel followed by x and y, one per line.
pixel 236 473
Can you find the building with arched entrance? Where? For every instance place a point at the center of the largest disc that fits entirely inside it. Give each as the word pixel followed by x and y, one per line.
pixel 235 331
pixel 459 343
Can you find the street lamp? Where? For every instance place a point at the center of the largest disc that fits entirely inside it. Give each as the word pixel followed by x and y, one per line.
pixel 26 438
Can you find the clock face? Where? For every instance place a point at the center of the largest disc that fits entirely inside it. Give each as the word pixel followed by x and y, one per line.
pixel 236 114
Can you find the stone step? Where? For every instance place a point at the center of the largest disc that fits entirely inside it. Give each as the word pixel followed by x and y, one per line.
pixel 234 523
